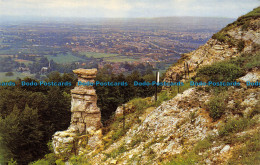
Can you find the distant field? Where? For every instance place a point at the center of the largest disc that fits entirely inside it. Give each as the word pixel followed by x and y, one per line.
pixel 23 61
pixel 6 55
pixel 98 55
pixel 62 59
pixel 8 51
pixel 119 59
pixel 16 74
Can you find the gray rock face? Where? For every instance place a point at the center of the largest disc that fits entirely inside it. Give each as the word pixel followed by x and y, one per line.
pixel 85 118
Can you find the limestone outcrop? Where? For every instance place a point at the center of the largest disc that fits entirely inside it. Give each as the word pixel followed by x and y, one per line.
pixel 215 51
pixel 176 126
pixel 85 118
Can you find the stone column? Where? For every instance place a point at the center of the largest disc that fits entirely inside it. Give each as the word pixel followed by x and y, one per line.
pixel 85 126
pixel 86 116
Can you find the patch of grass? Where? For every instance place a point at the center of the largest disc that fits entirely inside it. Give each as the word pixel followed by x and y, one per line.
pixel 15 75
pixel 167 95
pixel 78 160
pixel 140 103
pixel 235 125
pixel 9 74
pixel 118 130
pixel 119 133
pixel 189 159
pixel 98 55
pixel 255 110
pixel 119 59
pixel 254 13
pixel 117 151
pixel 249 153
pixel 204 144
pixel 161 97
pixel 63 58
pixel 253 62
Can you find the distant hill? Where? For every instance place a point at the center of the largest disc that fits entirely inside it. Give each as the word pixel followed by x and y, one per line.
pixel 174 23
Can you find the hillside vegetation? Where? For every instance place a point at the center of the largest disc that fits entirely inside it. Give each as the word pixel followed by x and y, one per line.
pixel 191 125
pixel 201 125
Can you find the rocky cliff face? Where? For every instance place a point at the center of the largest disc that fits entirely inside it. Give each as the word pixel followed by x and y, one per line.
pixel 85 119
pixel 231 42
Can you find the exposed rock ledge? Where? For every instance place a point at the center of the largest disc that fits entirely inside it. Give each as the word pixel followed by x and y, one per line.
pixel 213 51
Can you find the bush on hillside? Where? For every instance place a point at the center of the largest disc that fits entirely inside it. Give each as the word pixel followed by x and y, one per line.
pixel 240 45
pixel 222 71
pixel 216 107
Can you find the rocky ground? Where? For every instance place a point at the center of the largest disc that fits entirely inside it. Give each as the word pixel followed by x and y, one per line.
pixel 178 125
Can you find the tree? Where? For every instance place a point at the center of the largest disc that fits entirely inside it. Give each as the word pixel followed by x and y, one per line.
pixel 21 135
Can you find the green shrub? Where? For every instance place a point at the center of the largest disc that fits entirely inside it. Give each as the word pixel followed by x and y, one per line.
pixel 222 71
pixel 216 107
pixel 220 37
pixel 245 26
pixel 241 45
pixel 249 154
pixel 225 38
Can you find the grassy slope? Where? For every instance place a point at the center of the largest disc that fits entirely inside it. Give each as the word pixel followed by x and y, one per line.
pixel 242 21
pixel 63 58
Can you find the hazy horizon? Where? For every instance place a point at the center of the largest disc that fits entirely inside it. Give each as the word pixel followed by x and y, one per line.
pixel 86 9
pixel 96 19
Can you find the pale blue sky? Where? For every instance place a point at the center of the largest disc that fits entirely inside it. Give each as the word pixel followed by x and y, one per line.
pixel 126 8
